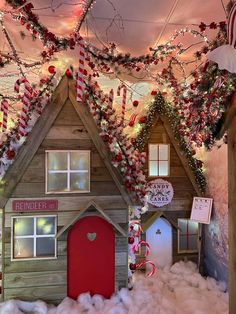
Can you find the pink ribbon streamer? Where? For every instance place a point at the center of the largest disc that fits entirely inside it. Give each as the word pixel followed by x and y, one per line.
pixel 4 109
pixel 80 78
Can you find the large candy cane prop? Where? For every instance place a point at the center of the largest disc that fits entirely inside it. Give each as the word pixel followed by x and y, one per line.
pixel 4 109
pixel 26 103
pixel 136 246
pixel 152 272
pixel 122 86
pixel 80 78
pixel 110 100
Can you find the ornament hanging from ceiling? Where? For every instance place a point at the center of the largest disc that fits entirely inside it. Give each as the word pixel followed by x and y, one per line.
pixel 225 55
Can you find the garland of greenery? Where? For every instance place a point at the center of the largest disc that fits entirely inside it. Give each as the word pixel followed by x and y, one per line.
pixel 161 107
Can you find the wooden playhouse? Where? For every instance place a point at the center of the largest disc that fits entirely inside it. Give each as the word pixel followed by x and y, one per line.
pixel 65 212
pixel 166 227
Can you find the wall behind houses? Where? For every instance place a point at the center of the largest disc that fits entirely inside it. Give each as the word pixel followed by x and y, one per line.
pixel 216 233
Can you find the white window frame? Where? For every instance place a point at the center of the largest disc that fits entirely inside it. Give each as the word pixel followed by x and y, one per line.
pixel 68 171
pixel 158 160
pixel 34 236
pixel 179 233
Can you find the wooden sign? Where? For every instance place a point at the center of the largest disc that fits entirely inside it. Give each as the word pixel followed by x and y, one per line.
pixel 160 192
pixel 34 205
pixel 201 210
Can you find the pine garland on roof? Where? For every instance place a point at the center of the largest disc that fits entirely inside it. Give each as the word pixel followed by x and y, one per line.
pixel 161 107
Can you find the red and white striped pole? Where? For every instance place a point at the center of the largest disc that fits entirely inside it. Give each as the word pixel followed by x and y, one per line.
pixel 80 78
pixel 4 109
pixel 122 86
pixel 110 101
pixel 26 103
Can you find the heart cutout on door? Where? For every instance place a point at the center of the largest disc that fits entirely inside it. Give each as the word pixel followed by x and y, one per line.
pixel 91 236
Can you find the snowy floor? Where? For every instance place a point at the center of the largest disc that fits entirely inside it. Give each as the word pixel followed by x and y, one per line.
pixel 179 290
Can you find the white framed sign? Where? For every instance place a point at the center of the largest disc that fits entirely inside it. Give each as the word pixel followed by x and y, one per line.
pixel 201 209
pixel 160 192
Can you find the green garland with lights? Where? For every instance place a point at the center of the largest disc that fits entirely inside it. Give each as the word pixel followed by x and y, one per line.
pixel 161 107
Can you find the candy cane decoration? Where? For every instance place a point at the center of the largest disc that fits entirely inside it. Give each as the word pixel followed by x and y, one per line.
pixel 80 78
pixel 26 103
pixel 4 109
pixel 122 86
pixel 110 100
pixel 136 246
pixel 132 227
pixel 132 119
pixel 152 272
pixel 231 29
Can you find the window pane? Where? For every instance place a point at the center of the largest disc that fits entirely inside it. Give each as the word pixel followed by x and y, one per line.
pixel 45 247
pixel 193 243
pixel 182 223
pixel 153 169
pixel 57 182
pixel 79 161
pixel 192 226
pixel 79 181
pixel 163 168
pixel 45 225
pixel 153 152
pixel 163 152
pixel 23 248
pixel 23 226
pixel 57 161
pixel 182 243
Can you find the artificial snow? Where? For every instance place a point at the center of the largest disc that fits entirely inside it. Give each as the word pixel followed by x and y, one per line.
pixel 176 290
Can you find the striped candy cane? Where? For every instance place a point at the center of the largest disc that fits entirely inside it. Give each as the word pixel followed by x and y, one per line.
pixel 110 101
pixel 152 272
pixel 122 86
pixel 231 29
pixel 136 246
pixel 4 109
pixel 80 78
pixel 26 103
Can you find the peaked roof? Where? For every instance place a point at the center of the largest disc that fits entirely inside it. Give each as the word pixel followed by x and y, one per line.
pixel 65 90
pixel 157 214
pixel 84 210
pixel 161 110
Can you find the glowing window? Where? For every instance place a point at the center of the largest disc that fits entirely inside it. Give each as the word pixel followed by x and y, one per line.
pixel 187 236
pixel 33 237
pixel 158 160
pixel 68 171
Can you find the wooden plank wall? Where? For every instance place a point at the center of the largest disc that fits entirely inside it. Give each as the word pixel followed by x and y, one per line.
pixel 183 188
pixel 46 279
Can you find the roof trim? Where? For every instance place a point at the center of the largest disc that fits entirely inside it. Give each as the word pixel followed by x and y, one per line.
pixel 83 211
pixel 88 121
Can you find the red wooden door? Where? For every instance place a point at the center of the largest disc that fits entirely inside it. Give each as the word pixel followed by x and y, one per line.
pixel 91 257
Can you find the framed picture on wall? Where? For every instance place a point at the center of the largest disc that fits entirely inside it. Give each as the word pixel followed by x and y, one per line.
pixel 201 209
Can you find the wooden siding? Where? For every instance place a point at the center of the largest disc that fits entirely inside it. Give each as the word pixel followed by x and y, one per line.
pixel 46 279
pixel 183 188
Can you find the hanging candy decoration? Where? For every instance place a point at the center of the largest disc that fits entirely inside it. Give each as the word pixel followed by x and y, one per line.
pixel 26 103
pixel 152 272
pixel 122 86
pixel 80 78
pixel 4 109
pixel 135 247
pixel 110 101
pixel 132 119
pixel 225 55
